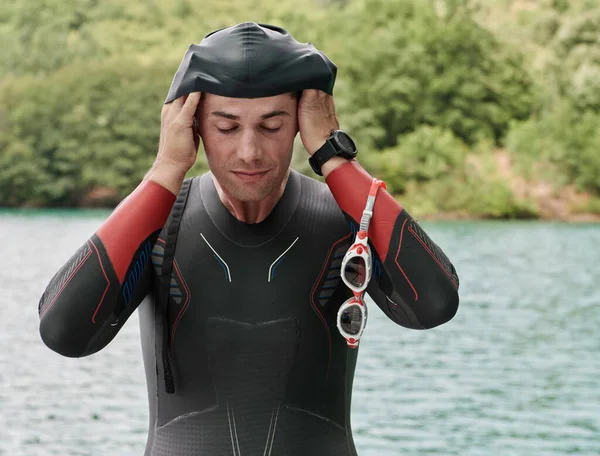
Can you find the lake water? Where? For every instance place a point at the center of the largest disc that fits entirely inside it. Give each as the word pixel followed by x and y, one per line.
pixel 516 372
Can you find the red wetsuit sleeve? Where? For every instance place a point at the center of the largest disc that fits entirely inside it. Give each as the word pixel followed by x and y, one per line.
pixel 350 185
pixel 143 212
pixel 418 285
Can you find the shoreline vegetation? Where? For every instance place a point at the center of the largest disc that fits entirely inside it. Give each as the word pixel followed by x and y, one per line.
pixel 468 109
pixel 545 203
pixel 541 200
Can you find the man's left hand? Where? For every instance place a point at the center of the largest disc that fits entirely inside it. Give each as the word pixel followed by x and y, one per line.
pixel 316 118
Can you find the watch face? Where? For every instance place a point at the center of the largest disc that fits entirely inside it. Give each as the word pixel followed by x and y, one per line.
pixel 345 142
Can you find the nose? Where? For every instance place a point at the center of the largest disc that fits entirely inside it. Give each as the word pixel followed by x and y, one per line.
pixel 250 148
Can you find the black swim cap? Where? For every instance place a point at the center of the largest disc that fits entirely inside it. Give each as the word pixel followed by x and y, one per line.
pixel 251 60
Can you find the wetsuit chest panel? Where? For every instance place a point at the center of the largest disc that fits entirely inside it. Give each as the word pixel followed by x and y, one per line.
pixel 249 370
pixel 246 285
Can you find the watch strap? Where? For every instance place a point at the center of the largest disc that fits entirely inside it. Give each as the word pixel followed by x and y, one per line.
pixel 324 153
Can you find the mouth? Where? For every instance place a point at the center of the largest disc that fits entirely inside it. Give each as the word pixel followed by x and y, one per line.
pixel 250 176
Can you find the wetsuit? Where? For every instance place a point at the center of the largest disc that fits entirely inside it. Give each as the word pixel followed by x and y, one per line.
pixel 259 366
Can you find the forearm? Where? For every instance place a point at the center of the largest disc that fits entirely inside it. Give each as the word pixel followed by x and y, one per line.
pixel 101 283
pixel 167 175
pixel 418 277
pixel 417 285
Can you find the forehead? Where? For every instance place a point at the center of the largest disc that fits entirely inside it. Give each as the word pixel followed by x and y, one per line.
pixel 248 106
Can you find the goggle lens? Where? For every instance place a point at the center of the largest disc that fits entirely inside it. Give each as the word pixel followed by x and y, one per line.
pixel 355 271
pixel 351 319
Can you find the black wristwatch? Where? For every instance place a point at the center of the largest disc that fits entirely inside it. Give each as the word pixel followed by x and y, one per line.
pixel 338 144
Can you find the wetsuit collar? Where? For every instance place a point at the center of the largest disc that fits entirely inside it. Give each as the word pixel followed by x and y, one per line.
pixel 251 234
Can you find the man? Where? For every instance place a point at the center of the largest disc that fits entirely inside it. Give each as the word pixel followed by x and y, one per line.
pixel 238 311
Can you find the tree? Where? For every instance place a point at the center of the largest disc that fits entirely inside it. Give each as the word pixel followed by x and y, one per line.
pixel 409 64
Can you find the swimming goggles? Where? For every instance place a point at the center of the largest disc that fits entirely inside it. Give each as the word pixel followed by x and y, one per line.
pixel 356 273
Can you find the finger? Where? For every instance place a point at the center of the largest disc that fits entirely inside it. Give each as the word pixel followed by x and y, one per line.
pixel 170 111
pixel 310 99
pixel 191 104
pixel 178 102
pixel 163 120
pixel 165 111
pixel 306 94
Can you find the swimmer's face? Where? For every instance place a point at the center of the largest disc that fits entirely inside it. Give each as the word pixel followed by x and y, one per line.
pixel 248 142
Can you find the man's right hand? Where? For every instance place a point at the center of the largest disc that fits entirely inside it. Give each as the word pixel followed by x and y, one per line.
pixel 179 142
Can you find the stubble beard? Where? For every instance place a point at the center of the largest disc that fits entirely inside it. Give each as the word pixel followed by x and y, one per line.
pixel 258 191
pixel 253 192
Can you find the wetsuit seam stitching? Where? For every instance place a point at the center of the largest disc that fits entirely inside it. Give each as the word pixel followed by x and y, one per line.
pixel 327 420
pixel 62 288
pixel 398 264
pixel 428 250
pixel 185 305
pixel 187 415
pixel 107 284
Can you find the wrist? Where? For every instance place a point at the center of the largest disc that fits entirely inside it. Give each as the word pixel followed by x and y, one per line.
pixel 331 164
pixel 335 151
pixel 168 175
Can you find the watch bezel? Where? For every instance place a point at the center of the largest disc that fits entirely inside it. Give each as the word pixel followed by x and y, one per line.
pixel 332 147
pixel 335 134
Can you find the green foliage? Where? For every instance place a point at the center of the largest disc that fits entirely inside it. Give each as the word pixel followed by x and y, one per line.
pixel 409 64
pixel 434 172
pixel 428 154
pixel 421 83
pixel 484 193
pixel 40 36
pixel 577 46
pixel 79 128
pixel 592 206
pixel 474 189
pixel 561 146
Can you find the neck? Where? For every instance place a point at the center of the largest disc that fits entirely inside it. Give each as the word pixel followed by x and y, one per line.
pixel 251 211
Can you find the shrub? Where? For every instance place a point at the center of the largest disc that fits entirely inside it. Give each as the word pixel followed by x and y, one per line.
pixel 427 154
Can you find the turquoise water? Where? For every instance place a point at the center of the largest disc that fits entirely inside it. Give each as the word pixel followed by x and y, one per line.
pixel 517 372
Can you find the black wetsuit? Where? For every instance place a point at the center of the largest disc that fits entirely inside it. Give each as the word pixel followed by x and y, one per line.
pixel 259 366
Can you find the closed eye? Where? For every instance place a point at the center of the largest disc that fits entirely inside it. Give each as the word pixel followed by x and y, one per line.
pixel 225 131
pixel 231 130
pixel 271 130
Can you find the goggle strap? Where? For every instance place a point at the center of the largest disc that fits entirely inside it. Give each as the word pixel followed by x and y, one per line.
pixel 366 219
pixel 375 184
pixel 368 212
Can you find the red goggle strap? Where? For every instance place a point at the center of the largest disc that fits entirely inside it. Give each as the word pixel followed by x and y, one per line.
pixel 375 184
